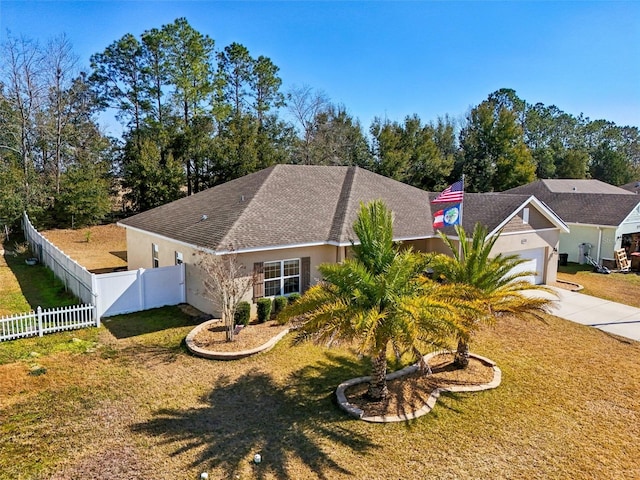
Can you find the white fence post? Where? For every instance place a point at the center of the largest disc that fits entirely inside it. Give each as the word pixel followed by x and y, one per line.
pixel 141 288
pixel 40 332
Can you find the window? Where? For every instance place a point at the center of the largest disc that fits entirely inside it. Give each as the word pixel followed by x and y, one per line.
pixel 525 215
pixel 179 259
pixel 155 261
pixel 281 277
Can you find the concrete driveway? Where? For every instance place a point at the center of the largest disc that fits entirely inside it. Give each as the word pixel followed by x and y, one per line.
pixel 595 312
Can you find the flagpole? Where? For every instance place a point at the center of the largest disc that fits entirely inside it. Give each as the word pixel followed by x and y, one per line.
pixel 460 213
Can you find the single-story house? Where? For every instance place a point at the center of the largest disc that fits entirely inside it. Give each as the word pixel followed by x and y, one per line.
pixel 285 220
pixel 602 218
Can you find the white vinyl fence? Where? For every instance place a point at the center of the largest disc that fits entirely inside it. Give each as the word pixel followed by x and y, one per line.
pixel 104 294
pixel 75 277
pixel 136 290
pixel 47 321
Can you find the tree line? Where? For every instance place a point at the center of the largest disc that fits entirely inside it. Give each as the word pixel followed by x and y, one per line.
pixel 195 116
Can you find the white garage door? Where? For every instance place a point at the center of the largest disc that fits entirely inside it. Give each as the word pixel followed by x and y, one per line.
pixel 534 263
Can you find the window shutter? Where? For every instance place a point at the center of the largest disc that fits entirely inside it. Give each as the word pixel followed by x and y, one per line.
pixel 258 281
pixel 305 274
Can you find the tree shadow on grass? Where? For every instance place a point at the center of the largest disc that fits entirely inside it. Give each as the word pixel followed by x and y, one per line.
pixel 149 321
pixel 255 414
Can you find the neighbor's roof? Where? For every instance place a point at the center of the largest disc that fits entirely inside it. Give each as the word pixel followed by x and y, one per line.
pixel 295 205
pixel 570 185
pixel 633 187
pixel 592 202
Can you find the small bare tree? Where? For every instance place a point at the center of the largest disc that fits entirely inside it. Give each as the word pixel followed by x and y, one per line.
pixel 225 284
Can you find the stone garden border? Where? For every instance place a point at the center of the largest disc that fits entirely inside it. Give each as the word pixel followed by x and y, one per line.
pixel 431 401
pixel 213 355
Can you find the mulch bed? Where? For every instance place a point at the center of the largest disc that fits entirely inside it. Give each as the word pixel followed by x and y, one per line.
pixel 409 393
pixel 252 336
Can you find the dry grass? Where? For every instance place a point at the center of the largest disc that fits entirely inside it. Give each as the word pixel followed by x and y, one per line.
pixel 135 404
pixel 567 408
pixel 617 287
pixel 99 249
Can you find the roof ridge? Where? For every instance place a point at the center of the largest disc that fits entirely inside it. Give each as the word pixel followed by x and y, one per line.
pixel 340 214
pixel 222 242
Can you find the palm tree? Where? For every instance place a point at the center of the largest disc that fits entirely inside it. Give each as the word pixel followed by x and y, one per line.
pixel 495 288
pixel 377 299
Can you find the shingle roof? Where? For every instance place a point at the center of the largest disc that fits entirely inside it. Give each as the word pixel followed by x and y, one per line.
pixel 489 209
pixel 286 205
pixel 589 207
pixel 633 187
pixel 570 185
pixel 301 205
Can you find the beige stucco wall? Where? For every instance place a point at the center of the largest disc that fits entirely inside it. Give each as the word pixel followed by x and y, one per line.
pixel 139 256
pixel 139 253
pixel 546 239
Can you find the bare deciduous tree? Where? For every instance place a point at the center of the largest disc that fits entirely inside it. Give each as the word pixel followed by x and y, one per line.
pixel 225 283
pixel 305 105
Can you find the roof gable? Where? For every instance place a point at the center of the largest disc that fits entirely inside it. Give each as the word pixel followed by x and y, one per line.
pixel 494 210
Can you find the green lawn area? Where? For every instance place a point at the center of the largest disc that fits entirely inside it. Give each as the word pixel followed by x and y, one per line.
pixel 25 287
pixel 127 401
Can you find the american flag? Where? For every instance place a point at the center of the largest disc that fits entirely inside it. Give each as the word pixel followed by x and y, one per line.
pixel 453 193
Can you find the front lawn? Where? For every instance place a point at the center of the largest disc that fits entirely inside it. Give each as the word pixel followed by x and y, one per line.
pixel 137 403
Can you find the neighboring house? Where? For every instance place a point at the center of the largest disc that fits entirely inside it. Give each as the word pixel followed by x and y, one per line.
pixel 286 220
pixel 633 187
pixel 602 218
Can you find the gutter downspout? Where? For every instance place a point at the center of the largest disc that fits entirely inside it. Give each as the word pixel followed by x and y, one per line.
pixel 599 243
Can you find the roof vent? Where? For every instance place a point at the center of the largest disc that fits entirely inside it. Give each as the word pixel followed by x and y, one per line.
pixel 242 198
pixel 203 218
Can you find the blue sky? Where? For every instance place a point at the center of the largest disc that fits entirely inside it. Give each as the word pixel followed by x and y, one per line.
pixel 392 59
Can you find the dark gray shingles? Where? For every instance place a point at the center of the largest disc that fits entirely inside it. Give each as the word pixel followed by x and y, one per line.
pixel 489 209
pixel 301 204
pixel 608 209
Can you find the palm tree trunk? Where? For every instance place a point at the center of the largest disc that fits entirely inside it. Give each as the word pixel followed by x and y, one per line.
pixel 462 354
pixel 378 385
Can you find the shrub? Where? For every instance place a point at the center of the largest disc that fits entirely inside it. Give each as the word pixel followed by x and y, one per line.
pixel 293 298
pixel 264 309
pixel 243 313
pixel 278 305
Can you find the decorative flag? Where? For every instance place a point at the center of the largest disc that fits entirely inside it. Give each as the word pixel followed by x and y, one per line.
pixel 453 193
pixel 448 216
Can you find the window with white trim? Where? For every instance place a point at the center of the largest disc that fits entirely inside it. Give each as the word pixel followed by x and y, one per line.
pixel 281 277
pixel 179 259
pixel 155 255
pixel 525 215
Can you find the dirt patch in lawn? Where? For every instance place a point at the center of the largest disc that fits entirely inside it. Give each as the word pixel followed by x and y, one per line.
pixel 409 393
pixel 252 336
pixel 100 249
